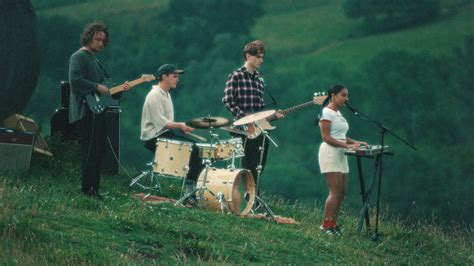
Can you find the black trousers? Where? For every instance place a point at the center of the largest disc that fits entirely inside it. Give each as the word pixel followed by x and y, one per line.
pixel 92 139
pixel 195 162
pixel 251 160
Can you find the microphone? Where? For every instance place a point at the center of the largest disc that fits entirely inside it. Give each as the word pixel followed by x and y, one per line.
pixel 352 108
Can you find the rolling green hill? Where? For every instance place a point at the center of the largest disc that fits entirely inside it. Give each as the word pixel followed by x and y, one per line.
pixel 310 45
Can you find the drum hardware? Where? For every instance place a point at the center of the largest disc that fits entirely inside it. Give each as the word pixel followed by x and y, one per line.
pixel 221 198
pixel 225 190
pixel 148 176
pixel 208 122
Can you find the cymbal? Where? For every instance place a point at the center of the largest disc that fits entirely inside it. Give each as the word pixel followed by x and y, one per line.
pixel 234 130
pixel 253 117
pixel 207 122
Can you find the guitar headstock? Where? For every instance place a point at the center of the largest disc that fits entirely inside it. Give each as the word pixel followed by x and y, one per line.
pixel 147 77
pixel 319 97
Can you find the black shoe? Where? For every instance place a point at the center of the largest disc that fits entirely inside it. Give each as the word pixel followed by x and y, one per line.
pixel 98 196
pixel 93 194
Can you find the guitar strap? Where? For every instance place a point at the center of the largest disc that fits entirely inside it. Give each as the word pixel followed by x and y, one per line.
pixel 106 75
pixel 274 102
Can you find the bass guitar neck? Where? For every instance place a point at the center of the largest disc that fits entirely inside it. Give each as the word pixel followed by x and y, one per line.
pixel 254 131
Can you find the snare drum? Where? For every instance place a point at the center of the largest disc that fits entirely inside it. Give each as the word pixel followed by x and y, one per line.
pixel 172 157
pixel 237 187
pixel 222 150
pixel 205 150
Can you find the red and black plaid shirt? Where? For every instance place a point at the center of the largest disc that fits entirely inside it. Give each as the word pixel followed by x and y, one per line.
pixel 243 92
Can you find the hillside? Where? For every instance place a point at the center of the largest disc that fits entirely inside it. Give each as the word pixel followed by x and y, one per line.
pixel 323 33
pixel 421 93
pixel 45 220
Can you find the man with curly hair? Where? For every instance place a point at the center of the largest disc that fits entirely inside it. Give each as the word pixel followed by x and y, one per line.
pixel 86 77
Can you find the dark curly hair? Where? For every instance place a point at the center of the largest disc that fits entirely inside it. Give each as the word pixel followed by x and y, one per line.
pixel 91 29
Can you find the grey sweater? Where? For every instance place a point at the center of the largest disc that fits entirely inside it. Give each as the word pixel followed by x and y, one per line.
pixel 84 76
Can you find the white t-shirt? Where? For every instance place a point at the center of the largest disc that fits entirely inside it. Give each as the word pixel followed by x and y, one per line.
pixel 339 126
pixel 157 111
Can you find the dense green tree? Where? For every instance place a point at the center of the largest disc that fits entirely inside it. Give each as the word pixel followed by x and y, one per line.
pixel 193 24
pixel 421 97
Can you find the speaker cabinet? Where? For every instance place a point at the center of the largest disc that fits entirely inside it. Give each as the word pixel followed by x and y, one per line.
pixel 16 148
pixel 110 162
pixel 61 128
pixel 23 123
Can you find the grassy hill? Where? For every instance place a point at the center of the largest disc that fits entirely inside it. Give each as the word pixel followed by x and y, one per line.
pixel 45 220
pixel 321 32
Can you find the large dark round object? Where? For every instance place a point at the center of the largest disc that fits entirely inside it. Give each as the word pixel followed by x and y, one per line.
pixel 19 55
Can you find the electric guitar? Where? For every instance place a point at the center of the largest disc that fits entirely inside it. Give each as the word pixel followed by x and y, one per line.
pixel 97 103
pixel 253 131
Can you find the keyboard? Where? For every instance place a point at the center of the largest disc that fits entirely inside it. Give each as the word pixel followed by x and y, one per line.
pixel 369 150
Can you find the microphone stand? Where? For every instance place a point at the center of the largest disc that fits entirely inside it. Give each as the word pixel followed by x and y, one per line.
pixel 262 203
pixel 378 165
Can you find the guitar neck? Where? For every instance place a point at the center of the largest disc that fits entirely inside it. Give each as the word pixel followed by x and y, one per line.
pixel 120 88
pixel 292 109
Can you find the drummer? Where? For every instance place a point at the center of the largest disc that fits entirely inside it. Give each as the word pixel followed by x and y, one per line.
pixel 158 120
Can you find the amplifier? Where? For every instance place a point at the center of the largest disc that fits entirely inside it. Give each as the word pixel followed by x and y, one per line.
pixel 24 123
pixel 16 148
pixel 61 128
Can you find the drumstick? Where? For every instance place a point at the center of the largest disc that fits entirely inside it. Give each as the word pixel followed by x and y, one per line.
pixel 198 137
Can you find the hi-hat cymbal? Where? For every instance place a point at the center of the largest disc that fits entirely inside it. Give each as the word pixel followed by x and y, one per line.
pixel 207 122
pixel 253 117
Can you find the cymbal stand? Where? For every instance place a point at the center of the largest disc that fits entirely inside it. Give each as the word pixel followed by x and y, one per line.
pixel 231 165
pixel 208 163
pixel 262 204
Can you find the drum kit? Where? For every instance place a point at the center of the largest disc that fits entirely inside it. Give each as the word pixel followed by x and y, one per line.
pixel 227 189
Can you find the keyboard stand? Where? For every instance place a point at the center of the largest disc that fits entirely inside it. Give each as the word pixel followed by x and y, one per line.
pixel 365 193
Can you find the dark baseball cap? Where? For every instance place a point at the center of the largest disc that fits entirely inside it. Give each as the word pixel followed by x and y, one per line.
pixel 168 69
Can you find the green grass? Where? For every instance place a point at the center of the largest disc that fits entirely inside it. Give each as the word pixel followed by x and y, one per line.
pixel 46 220
pixel 320 32
pixel 104 9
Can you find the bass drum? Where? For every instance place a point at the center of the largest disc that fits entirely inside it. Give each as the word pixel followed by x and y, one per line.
pixel 236 187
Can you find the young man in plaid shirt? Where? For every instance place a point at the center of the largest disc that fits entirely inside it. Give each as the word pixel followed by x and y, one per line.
pixel 243 95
